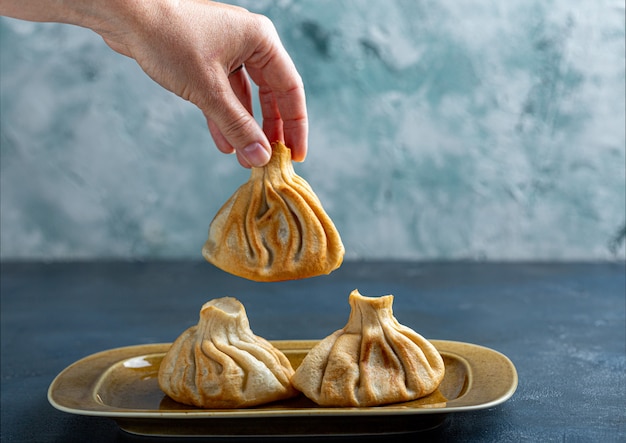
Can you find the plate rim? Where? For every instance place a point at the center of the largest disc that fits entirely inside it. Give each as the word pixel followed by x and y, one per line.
pixel 443 346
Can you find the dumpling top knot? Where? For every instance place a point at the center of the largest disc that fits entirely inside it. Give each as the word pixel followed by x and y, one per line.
pixel 274 227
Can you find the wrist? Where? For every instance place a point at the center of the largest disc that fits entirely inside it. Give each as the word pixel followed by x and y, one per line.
pixel 105 16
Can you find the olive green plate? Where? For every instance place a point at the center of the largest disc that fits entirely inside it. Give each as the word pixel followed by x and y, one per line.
pixel 122 384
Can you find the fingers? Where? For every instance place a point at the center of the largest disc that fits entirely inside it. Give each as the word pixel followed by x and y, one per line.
pixel 220 141
pixel 295 122
pixel 281 93
pixel 230 121
pixel 283 107
pixel 228 102
pixel 286 103
pixel 272 122
pixel 241 87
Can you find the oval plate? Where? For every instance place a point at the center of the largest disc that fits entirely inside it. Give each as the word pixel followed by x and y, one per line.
pixel 122 384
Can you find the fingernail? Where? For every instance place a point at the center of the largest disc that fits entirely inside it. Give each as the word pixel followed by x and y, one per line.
pixel 256 155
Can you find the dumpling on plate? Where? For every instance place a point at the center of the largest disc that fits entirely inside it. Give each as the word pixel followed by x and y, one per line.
pixel 220 363
pixel 274 227
pixel 373 360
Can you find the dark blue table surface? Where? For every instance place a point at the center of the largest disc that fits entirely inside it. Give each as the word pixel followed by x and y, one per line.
pixel 562 325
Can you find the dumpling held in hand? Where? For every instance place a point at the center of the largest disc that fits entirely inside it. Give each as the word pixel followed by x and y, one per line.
pixel 274 227
pixel 373 360
pixel 220 363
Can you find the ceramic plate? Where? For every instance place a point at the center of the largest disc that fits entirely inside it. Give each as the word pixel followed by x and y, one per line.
pixel 122 384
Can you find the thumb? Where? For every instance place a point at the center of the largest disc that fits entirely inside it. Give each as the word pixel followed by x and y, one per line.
pixel 234 128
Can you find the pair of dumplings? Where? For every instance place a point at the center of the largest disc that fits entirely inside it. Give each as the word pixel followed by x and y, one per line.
pixel 274 227
pixel 372 360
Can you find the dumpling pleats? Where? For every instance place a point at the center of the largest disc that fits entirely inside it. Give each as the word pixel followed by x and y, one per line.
pixel 220 363
pixel 373 360
pixel 274 227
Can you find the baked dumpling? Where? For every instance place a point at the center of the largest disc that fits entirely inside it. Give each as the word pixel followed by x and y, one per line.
pixel 373 360
pixel 274 227
pixel 220 363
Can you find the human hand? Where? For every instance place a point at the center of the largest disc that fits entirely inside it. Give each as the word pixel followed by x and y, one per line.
pixel 194 48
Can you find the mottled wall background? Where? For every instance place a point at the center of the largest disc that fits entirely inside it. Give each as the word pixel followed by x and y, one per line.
pixel 440 129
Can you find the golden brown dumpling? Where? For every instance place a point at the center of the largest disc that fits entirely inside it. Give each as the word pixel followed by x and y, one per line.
pixel 220 363
pixel 274 227
pixel 373 360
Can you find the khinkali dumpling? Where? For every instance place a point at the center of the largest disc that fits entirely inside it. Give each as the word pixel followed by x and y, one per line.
pixel 373 360
pixel 220 363
pixel 274 227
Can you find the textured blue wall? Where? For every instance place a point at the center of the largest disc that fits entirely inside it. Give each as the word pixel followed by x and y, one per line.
pixel 439 130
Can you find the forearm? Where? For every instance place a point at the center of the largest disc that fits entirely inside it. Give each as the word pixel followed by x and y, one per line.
pixel 92 14
pixel 109 18
pixel 61 11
